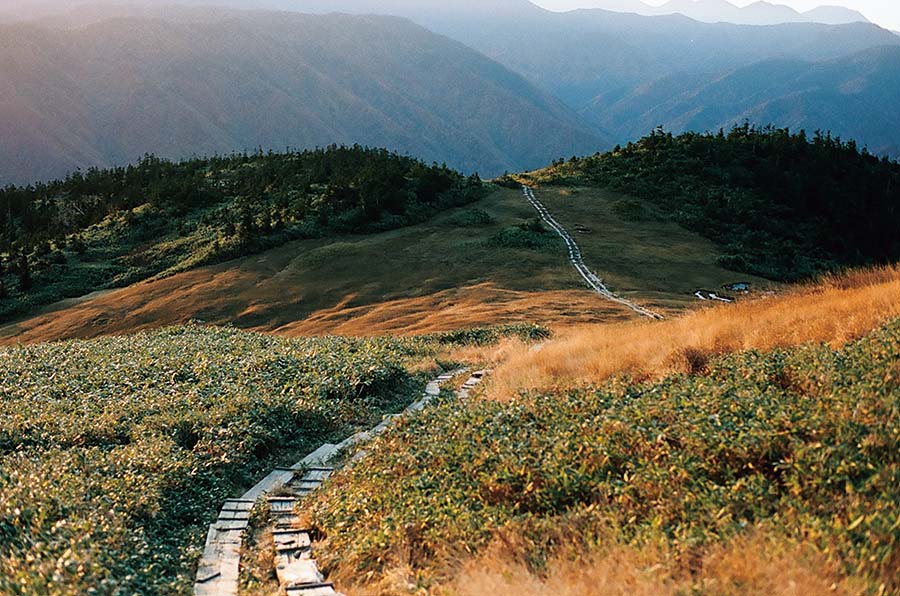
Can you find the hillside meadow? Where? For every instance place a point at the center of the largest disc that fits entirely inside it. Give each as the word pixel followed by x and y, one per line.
pixel 115 454
pixel 742 459
pixel 835 310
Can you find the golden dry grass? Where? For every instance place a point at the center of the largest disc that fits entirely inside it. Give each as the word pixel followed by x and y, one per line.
pixel 748 566
pixel 758 563
pixel 835 310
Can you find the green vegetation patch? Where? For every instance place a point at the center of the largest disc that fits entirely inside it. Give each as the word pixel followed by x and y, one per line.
pixel 803 443
pixel 528 235
pixel 482 336
pixel 115 454
pixel 471 218
pixel 783 206
pixel 111 228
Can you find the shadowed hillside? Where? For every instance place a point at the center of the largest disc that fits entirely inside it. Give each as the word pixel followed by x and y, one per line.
pixel 110 92
pixel 782 205
pixel 845 95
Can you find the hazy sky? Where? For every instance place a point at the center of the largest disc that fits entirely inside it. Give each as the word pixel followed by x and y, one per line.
pixel 884 12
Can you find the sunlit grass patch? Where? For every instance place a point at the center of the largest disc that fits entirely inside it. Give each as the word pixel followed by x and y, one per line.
pixel 799 446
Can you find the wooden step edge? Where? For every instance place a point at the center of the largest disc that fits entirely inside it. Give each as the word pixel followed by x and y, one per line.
pixel 309 586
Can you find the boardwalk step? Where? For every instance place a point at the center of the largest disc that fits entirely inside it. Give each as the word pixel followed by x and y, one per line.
pixel 294 570
pixel 294 540
pixel 312 589
pixel 233 515
pixel 207 574
pixel 219 568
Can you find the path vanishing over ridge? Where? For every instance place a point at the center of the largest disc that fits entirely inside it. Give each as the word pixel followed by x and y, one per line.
pixel 578 261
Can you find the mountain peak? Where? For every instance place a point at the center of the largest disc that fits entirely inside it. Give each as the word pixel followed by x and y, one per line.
pixel 835 15
pixel 761 12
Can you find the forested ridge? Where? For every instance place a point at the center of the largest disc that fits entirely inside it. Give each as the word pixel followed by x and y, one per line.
pixel 783 205
pixel 106 228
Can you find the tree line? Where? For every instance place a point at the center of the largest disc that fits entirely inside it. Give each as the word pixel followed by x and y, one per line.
pixel 782 204
pixel 214 207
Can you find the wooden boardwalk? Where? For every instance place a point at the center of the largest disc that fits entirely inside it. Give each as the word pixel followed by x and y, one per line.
pixel 219 569
pixel 578 261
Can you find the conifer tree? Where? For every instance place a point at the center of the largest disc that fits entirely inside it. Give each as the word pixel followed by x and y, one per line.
pixel 24 272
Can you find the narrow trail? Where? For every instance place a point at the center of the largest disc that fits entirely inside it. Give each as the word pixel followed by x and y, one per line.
pixel 578 261
pixel 218 573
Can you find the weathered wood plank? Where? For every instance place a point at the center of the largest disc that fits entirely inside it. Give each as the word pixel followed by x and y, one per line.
pixel 275 480
pixel 319 457
pixel 295 540
pixel 313 590
pixel 292 570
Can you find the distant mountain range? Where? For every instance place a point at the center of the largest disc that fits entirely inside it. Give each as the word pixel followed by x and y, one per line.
pixel 722 11
pixel 531 86
pixel 846 95
pixel 628 73
pixel 110 92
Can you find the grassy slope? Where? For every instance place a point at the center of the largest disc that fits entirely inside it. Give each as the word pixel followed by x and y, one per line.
pixel 791 452
pixel 443 274
pixel 112 228
pixel 779 205
pixel 835 310
pixel 642 257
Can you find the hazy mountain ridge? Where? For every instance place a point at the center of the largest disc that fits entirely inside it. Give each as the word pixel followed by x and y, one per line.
pixel 111 92
pixel 623 73
pixel 582 54
pixel 790 93
pixel 721 11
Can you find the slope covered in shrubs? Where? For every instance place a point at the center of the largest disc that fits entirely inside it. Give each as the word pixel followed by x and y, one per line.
pixel 798 445
pixel 783 206
pixel 116 453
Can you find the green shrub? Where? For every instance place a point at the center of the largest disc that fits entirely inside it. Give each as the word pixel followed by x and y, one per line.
pixel 115 454
pixel 803 442
pixel 471 218
pixel 529 235
pixel 481 336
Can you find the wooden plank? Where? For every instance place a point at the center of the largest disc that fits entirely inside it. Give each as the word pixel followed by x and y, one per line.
pixel 290 531
pixel 227 515
pixel 233 525
pixel 299 538
pixel 324 589
pixel 293 570
pixel 287 522
pixel 275 480
pixel 207 572
pixel 318 473
pixel 237 506
pixel 320 456
pixel 353 440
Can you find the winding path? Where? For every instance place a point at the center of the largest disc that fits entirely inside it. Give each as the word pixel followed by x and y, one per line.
pixel 219 570
pixel 578 261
